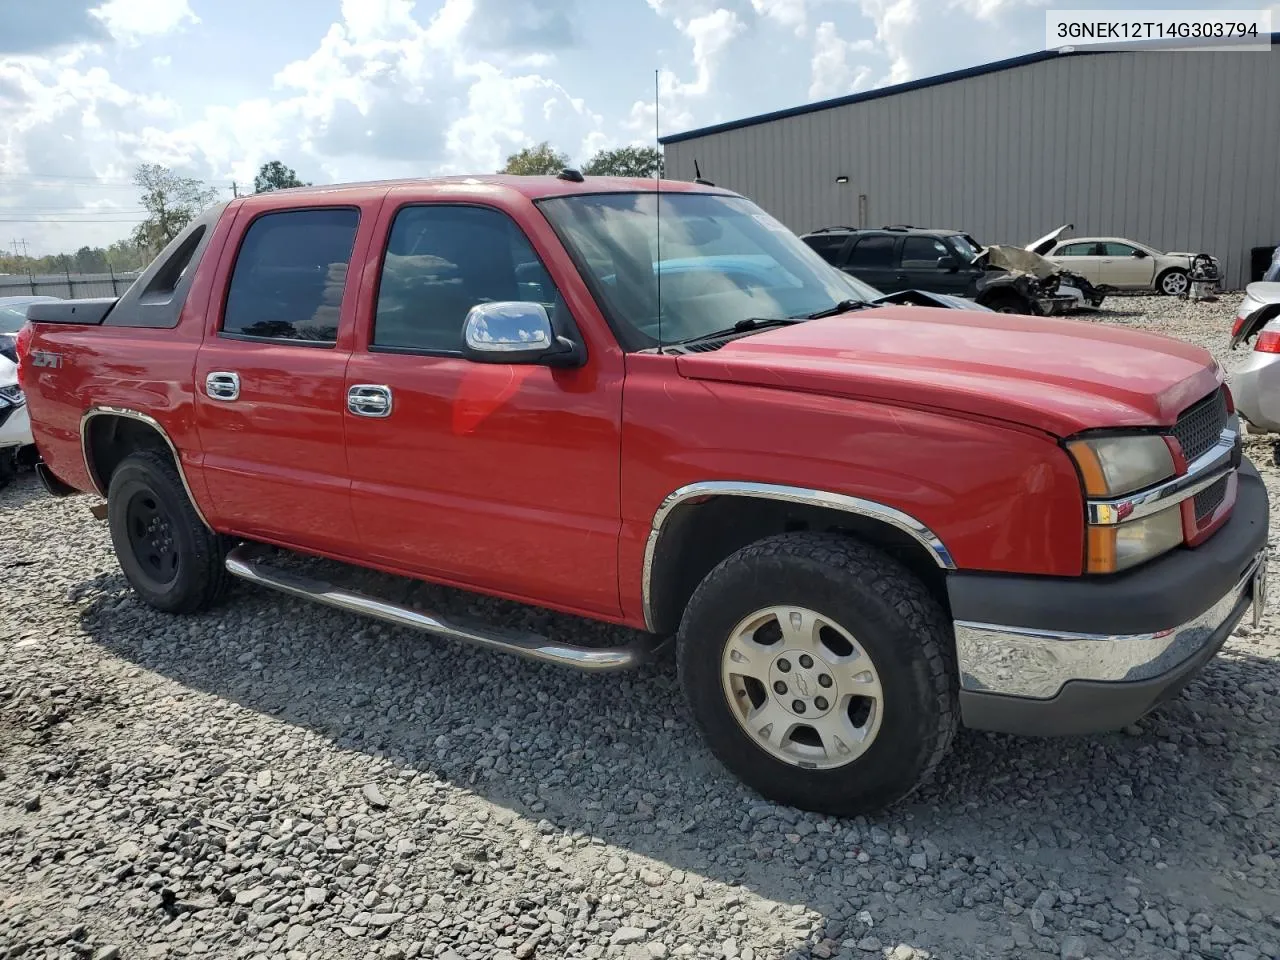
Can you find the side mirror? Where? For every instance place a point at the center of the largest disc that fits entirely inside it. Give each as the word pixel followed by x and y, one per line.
pixel 1138 255
pixel 950 264
pixel 515 331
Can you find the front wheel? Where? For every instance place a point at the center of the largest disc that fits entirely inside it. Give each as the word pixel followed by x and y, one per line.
pixel 1173 283
pixel 819 671
pixel 170 558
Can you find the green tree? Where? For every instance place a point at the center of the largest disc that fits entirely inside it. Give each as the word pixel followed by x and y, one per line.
pixel 535 161
pixel 171 202
pixel 624 162
pixel 276 176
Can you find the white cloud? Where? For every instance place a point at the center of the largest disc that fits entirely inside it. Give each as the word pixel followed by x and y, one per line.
pixel 131 21
pixel 894 22
pixel 830 70
pixel 789 13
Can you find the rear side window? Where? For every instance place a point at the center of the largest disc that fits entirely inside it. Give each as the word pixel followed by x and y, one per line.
pixel 289 276
pixel 443 260
pixel 1117 250
pixel 1076 250
pixel 872 252
pixel 827 246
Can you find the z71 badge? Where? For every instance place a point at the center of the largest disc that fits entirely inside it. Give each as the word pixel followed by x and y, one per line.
pixel 42 358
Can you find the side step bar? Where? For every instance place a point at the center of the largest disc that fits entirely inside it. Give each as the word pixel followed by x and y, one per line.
pixel 246 562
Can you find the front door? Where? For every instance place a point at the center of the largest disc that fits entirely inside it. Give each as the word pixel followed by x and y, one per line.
pixel 919 268
pixel 269 380
pixel 1126 267
pixel 499 477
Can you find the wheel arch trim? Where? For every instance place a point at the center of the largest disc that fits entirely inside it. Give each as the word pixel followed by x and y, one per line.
pixel 154 424
pixel 840 502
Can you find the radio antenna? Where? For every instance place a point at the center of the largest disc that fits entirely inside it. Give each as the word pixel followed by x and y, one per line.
pixel 657 145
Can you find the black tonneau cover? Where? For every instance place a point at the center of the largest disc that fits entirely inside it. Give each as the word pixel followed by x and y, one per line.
pixel 88 313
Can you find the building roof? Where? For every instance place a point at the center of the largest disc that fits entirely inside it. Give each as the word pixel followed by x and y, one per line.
pixel 1013 62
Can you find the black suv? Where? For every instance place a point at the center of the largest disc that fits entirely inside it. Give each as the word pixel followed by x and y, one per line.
pixel 938 261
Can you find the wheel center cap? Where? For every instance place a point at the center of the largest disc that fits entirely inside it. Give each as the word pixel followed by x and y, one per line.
pixel 802 684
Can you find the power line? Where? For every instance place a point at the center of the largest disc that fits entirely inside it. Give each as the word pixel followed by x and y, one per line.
pixel 59 220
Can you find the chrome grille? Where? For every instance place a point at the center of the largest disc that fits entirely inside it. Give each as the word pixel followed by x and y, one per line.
pixel 1210 499
pixel 1198 428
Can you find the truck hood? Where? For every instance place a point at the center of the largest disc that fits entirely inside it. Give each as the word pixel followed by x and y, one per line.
pixel 1045 243
pixel 1058 376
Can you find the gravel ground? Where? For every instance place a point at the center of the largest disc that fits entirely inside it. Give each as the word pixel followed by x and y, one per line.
pixel 279 780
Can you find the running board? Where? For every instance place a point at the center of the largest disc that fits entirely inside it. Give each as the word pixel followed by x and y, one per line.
pixel 246 562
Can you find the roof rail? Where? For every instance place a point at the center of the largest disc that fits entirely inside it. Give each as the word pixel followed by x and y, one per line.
pixel 899 226
pixel 832 229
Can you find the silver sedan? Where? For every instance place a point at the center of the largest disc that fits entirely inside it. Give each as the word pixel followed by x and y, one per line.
pixel 1256 384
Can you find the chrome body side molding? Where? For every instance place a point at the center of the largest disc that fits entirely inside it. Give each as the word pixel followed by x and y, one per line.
pixel 798 495
pixel 151 422
pixel 247 563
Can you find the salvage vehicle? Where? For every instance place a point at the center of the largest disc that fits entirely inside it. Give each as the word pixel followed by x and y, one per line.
pixel 1085 295
pixel 15 425
pixel 1256 384
pixel 1113 263
pixel 863 525
pixel 939 261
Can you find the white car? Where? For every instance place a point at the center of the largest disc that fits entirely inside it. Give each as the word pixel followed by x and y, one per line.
pixel 1255 384
pixel 1114 263
pixel 15 424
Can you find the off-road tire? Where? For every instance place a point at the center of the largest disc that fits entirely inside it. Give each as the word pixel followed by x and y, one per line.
pixel 201 576
pixel 891 614
pixel 1173 271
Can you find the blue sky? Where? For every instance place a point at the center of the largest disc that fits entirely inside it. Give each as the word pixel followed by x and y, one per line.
pixel 356 89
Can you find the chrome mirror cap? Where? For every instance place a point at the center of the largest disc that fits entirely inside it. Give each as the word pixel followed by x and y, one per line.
pixel 509 329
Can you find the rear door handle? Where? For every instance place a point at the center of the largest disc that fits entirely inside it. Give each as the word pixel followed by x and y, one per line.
pixel 369 400
pixel 222 385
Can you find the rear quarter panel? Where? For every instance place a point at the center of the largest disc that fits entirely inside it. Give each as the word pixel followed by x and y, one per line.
pixel 147 370
pixel 1001 498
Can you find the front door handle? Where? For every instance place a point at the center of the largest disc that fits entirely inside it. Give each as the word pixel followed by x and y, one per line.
pixel 369 400
pixel 222 385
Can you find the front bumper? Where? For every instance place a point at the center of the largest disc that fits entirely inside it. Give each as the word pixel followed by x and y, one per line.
pixel 1048 656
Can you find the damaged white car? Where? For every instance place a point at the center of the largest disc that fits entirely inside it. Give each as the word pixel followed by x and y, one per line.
pixel 1114 263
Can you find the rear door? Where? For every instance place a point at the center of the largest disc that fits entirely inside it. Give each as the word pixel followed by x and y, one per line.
pixel 872 260
pixel 1125 266
pixel 1081 258
pixel 269 378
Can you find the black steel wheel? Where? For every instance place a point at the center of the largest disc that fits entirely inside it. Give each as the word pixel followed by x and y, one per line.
pixel 170 558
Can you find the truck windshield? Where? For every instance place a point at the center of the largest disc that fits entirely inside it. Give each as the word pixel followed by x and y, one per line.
pixel 723 260
pixel 12 318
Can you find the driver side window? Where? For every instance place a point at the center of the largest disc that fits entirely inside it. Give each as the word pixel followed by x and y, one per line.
pixel 443 260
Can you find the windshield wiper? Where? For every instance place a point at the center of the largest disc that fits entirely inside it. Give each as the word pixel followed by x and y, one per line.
pixel 742 326
pixel 844 306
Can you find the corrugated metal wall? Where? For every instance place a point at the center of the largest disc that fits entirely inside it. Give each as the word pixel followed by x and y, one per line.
pixel 1179 150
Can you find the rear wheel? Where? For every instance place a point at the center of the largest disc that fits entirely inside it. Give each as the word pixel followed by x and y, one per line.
pixel 168 555
pixel 819 671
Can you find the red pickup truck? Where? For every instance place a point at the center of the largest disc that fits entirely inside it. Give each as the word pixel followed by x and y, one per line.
pixel 864 525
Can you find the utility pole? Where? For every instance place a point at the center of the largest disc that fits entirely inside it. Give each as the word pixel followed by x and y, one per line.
pixel 24 247
pixel 235 189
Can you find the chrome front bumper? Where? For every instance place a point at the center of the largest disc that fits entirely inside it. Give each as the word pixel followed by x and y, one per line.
pixel 1038 664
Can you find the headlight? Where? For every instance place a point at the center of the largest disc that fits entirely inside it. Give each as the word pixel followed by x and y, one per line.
pixel 1112 549
pixel 1114 466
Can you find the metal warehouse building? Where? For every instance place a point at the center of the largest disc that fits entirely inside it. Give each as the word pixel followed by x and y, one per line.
pixel 1176 149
